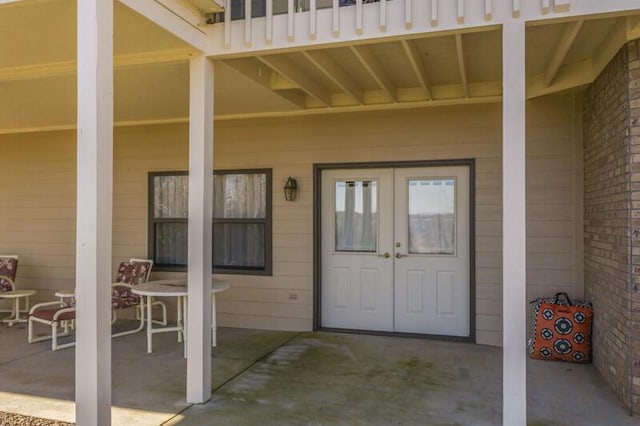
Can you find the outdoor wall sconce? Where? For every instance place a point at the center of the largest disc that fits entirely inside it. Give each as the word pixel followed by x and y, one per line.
pixel 290 189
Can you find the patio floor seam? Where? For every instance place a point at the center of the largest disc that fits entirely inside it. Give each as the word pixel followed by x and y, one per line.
pixel 233 377
pixel 11 361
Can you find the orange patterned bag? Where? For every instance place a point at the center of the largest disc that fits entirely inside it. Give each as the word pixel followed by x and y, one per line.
pixel 561 329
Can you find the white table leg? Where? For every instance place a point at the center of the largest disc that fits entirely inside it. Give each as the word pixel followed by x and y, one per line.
pixel 184 324
pixel 149 325
pixel 16 312
pixel 214 331
pixel 179 320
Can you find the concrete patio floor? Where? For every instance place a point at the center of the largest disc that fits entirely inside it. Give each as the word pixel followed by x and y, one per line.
pixel 268 378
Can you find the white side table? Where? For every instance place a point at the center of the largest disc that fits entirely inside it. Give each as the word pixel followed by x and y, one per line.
pixel 16 295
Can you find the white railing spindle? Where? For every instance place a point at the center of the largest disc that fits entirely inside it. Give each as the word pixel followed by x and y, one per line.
pixel 248 22
pixel 516 8
pixel 227 23
pixel 336 17
pixel 290 13
pixel 313 20
pixel 545 6
pixel 269 22
pixel 383 15
pixel 561 5
pixel 359 16
pixel 434 12
pixel 487 10
pixel 408 13
pixel 460 12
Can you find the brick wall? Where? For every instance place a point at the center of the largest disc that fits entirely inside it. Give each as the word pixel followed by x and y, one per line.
pixel 612 221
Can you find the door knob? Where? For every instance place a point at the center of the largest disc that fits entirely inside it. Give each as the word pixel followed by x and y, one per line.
pixel 400 256
pixel 386 255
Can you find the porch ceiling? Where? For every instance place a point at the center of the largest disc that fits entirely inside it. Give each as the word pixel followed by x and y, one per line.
pixel 38 49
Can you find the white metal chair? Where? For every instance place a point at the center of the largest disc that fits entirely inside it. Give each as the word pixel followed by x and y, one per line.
pixel 59 314
pixel 8 270
pixel 129 274
pixel 154 303
pixel 54 314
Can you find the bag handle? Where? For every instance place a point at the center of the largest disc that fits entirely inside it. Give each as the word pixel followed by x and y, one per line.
pixel 566 296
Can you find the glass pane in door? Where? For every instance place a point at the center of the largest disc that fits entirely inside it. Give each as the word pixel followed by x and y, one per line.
pixel 356 215
pixel 432 216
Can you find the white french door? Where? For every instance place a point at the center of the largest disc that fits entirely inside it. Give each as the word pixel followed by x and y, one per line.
pixel 395 250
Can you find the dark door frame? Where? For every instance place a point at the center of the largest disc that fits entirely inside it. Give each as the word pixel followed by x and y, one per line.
pixel 317 246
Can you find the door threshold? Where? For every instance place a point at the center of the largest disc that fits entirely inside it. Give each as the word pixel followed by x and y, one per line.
pixel 463 339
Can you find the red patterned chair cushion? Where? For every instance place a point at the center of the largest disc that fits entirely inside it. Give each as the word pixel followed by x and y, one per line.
pixel 48 314
pixel 122 297
pixel 8 267
pixel 132 272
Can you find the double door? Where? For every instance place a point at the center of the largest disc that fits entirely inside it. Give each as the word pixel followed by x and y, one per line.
pixel 395 250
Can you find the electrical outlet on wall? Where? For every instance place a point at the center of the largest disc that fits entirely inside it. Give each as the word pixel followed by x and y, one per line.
pixel 293 296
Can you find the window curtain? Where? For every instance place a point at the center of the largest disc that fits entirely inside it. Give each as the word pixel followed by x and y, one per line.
pixel 239 196
pixel 171 202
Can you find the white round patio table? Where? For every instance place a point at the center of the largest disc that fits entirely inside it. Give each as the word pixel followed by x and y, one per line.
pixel 178 289
pixel 15 296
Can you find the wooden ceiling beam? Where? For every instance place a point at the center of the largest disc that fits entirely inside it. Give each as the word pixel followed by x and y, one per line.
pixel 285 66
pixel 560 53
pixel 461 65
pixel 261 74
pixel 368 60
pixel 54 69
pixel 416 61
pixel 332 70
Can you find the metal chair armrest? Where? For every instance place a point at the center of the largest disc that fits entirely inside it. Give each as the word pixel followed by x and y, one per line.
pixel 45 305
pixel 63 311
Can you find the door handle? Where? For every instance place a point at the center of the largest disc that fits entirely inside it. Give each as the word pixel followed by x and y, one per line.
pixel 385 255
pixel 400 256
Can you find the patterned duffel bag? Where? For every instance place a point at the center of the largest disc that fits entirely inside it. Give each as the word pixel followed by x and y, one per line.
pixel 561 329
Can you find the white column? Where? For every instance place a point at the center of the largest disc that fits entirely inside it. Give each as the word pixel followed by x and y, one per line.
pixel 514 357
pixel 94 204
pixel 200 238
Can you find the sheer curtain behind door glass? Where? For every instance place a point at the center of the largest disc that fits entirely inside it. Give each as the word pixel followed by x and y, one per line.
pixel 432 216
pixel 356 216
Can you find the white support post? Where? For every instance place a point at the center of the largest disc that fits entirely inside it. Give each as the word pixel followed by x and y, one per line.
pixel 94 211
pixel 200 233
pixel 514 354
pixel 358 16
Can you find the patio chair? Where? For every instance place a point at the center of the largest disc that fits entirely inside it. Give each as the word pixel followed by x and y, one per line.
pixel 54 314
pixel 59 314
pixel 129 274
pixel 8 269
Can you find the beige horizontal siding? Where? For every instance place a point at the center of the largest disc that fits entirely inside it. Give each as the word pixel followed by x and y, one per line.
pixel 39 176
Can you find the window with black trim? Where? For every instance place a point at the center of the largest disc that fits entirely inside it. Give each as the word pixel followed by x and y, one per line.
pixel 241 221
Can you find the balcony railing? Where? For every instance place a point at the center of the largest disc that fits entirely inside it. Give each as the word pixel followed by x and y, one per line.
pixel 263 24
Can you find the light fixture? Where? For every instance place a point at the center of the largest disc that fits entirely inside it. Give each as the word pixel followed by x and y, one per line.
pixel 290 189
